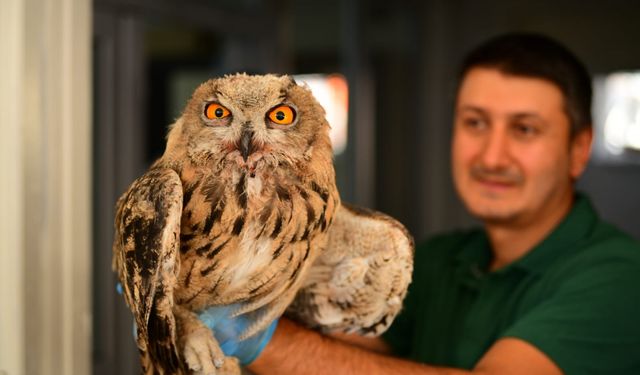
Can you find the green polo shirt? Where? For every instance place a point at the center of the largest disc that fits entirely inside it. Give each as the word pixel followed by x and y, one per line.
pixel 575 296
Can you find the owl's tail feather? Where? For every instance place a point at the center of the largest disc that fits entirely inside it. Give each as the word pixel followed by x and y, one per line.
pixel 158 348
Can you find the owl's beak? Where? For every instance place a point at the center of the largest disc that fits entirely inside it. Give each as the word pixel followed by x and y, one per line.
pixel 246 144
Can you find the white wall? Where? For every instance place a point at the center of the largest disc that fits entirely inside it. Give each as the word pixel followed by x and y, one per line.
pixel 45 154
pixel 11 218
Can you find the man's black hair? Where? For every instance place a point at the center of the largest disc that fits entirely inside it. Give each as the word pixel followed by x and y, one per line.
pixel 538 56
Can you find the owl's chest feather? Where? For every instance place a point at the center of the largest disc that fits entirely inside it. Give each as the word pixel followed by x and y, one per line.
pixel 242 232
pixel 216 206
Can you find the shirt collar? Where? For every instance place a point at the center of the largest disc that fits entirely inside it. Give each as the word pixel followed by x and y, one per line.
pixel 576 226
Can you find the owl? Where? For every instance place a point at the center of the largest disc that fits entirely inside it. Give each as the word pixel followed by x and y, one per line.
pixel 242 210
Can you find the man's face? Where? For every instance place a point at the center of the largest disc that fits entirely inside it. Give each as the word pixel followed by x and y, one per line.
pixel 512 156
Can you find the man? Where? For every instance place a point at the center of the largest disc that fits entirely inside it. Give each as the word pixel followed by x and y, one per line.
pixel 546 287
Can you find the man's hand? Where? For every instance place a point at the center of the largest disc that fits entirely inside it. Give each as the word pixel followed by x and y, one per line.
pixel 227 329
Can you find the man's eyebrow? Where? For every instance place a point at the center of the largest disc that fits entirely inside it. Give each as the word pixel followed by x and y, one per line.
pixel 526 115
pixel 471 108
pixel 514 115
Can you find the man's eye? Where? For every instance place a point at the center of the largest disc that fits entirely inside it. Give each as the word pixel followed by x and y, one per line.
pixel 474 123
pixel 525 130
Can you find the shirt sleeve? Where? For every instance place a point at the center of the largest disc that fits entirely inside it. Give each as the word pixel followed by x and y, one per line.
pixel 591 323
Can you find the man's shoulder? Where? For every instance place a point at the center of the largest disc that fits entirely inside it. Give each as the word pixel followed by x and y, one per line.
pixel 582 309
pixel 607 250
pixel 604 239
pixel 447 244
pixel 609 242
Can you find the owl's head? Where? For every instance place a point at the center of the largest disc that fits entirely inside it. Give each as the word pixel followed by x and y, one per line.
pixel 251 122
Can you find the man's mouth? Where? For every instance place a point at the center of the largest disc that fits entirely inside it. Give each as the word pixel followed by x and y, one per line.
pixel 496 184
pixel 498 179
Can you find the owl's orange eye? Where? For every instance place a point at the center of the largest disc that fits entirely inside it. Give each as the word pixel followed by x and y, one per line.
pixel 282 115
pixel 215 111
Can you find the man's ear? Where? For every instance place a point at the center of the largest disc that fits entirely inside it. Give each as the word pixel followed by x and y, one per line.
pixel 580 152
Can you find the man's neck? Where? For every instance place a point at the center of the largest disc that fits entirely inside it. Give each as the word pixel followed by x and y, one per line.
pixel 510 242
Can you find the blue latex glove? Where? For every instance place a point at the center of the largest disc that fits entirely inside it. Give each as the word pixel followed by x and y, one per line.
pixel 226 330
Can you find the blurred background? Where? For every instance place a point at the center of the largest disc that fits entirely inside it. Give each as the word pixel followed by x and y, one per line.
pixel 386 72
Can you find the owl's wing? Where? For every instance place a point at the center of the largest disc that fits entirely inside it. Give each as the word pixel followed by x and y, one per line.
pixel 358 283
pixel 145 256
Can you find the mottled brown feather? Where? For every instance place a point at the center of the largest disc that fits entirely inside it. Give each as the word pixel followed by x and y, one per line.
pixel 146 258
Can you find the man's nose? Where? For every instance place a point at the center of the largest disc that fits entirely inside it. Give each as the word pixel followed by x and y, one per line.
pixel 495 153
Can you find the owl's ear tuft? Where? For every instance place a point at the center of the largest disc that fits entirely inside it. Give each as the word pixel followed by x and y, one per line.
pixel 292 81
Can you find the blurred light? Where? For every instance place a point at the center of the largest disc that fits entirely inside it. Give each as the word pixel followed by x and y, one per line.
pixel 332 93
pixel 620 101
pixel 614 131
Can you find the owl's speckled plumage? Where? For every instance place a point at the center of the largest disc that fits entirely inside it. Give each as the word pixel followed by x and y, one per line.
pixel 237 211
pixel 358 283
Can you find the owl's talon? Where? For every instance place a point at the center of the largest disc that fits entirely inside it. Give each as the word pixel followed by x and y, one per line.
pixel 191 358
pixel 230 367
pixel 201 353
pixel 218 362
